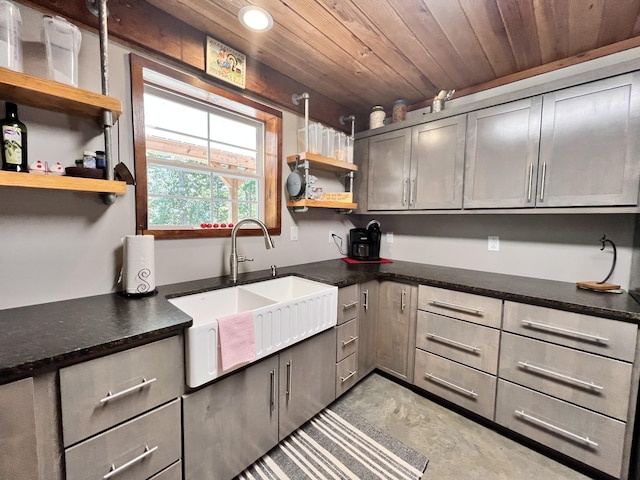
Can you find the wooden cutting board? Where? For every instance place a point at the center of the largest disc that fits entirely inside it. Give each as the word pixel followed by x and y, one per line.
pixel 598 286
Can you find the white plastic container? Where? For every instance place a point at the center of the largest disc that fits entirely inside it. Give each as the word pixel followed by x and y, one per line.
pixel 315 138
pixel 10 42
pixel 328 142
pixel 62 43
pixel 340 147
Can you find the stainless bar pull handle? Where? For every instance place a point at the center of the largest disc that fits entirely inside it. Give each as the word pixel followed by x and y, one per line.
pixel 272 390
pixel 452 342
pixel 112 396
pixel 117 470
pixel 351 374
pixel 455 306
pixel 404 191
pixel 555 428
pixel 412 191
pixel 347 342
pixel 436 379
pixel 365 304
pixel 566 331
pixel 289 374
pixel 345 306
pixel 544 179
pixel 530 188
pixel 403 303
pixel 561 376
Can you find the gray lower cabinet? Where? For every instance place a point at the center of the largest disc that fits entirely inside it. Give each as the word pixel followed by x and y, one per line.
pixel 367 327
pixel 502 155
pixel 307 380
pixel 395 331
pixel 231 423
pixel 589 148
pixel 19 457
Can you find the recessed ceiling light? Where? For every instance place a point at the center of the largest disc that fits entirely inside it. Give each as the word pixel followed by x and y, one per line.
pixel 255 18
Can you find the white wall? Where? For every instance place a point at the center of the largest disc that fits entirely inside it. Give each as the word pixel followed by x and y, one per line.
pixel 56 245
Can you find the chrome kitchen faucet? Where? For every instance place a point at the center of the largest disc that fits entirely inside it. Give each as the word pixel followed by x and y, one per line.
pixel 234 257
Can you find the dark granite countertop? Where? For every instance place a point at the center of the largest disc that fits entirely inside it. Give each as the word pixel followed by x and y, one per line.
pixel 40 338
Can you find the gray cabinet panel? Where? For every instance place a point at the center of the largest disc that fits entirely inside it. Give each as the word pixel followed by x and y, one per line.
pixel 347 339
pixel 231 423
pixel 347 303
pixel 465 306
pixel 346 374
pixel 18 448
pixel 502 155
pixel 437 164
pixel 367 326
pixel 388 181
pixel 589 145
pixel 562 426
pixel 307 380
pixel 395 331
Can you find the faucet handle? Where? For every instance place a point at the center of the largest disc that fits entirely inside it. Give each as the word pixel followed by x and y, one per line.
pixel 242 258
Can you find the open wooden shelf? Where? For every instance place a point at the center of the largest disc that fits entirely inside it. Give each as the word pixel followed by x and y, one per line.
pixel 54 182
pixel 322 204
pixel 323 163
pixel 38 92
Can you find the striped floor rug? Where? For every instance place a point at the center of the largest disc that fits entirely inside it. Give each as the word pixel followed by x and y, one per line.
pixel 337 444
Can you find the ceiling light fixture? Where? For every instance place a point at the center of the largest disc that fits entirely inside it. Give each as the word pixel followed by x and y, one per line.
pixel 255 18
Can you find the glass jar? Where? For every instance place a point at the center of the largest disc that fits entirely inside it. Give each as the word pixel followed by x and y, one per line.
pixel 376 117
pixel 399 110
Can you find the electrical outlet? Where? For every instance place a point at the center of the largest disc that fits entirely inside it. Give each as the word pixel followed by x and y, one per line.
pixel 389 237
pixel 493 244
pixel 294 234
pixel 331 234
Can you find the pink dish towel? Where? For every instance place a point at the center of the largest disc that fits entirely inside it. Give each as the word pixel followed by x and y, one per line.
pixel 237 339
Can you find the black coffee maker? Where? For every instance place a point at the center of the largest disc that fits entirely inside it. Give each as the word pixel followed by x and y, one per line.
pixel 364 243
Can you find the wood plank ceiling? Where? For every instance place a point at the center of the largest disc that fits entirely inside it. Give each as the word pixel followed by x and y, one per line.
pixel 362 53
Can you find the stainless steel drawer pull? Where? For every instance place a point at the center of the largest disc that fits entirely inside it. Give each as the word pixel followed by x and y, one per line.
pixel 562 431
pixel 544 179
pixel 365 294
pixel 272 390
pixel 289 379
pixel 403 302
pixel 471 393
pixel 117 470
pixel 351 374
pixel 561 376
pixel 530 188
pixel 350 304
pixel 433 336
pixel 455 306
pixel 112 396
pixel 566 331
pixel 347 342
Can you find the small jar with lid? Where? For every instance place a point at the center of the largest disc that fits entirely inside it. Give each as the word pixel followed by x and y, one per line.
pixel 399 110
pixel 376 117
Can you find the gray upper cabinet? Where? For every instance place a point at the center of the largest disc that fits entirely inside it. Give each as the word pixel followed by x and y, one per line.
pixel 389 168
pixel 589 145
pixel 502 155
pixel 437 164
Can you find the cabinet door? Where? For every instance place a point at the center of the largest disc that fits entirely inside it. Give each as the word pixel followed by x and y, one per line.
pixel 388 182
pixel 19 455
pixel 361 159
pixel 307 380
pixel 230 424
pixel 589 144
pixel 367 314
pixel 437 163
pixel 395 333
pixel 502 155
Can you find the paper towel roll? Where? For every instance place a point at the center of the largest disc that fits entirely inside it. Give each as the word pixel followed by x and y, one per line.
pixel 139 271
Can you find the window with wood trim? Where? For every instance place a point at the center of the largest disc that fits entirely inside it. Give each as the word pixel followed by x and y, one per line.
pixel 205 157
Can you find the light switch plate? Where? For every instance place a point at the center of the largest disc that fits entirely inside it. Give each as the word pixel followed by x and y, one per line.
pixel 389 237
pixel 294 234
pixel 494 244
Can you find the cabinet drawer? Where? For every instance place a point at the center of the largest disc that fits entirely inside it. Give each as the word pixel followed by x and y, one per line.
pixel 347 339
pixel 347 303
pixel 141 447
pixel 586 436
pixel 594 382
pixel 174 472
pixel 464 386
pixel 346 374
pixel 145 376
pixel 611 338
pixel 468 343
pixel 465 306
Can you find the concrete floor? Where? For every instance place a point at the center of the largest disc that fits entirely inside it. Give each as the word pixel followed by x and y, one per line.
pixel 457 447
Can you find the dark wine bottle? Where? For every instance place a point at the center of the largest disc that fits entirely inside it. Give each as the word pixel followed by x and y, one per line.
pixel 14 141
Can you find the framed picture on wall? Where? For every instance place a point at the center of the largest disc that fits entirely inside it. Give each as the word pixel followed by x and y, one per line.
pixel 225 63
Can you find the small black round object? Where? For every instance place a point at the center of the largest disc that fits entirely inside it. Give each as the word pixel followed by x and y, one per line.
pixel 295 185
